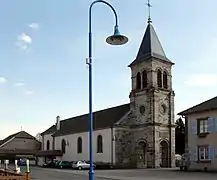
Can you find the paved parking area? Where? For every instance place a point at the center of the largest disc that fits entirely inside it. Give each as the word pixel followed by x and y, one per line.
pixel 137 174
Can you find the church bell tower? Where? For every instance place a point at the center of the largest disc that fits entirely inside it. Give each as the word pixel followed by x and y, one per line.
pixel 152 103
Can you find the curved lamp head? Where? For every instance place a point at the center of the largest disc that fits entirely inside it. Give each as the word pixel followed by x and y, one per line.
pixel 117 38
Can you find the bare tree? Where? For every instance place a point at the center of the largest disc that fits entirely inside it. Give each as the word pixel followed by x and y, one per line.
pixel 38 137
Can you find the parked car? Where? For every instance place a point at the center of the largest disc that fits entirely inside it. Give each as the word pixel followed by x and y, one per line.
pixel 64 164
pixel 21 162
pixel 49 164
pixel 185 162
pixel 81 165
pixel 56 162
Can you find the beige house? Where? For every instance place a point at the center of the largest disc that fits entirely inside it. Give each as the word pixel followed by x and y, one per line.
pixel 201 130
pixel 140 133
pixel 20 144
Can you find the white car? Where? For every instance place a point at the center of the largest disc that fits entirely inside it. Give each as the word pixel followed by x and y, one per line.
pixel 185 162
pixel 81 165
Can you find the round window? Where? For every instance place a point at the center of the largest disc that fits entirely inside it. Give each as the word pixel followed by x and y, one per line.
pixel 142 109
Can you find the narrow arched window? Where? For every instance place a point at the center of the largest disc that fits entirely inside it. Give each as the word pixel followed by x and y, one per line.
pixel 159 78
pixel 144 79
pixel 99 144
pixel 63 146
pixel 48 145
pixel 165 82
pixel 79 145
pixel 138 81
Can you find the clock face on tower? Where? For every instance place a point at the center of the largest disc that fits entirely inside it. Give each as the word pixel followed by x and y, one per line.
pixel 163 108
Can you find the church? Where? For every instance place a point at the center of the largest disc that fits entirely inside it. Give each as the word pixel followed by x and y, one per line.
pixel 138 134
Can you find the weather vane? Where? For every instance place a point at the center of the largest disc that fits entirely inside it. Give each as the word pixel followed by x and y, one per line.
pixel 149 11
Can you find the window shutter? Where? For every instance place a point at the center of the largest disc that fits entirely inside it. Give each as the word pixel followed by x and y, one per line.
pixel 193 126
pixel 211 125
pixel 194 155
pixel 211 153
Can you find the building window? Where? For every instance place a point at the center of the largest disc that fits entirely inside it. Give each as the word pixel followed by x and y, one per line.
pixel 48 145
pixel 203 126
pixel 144 79
pixel 165 83
pixel 159 79
pixel 99 144
pixel 63 146
pixel 203 153
pixel 79 145
pixel 138 81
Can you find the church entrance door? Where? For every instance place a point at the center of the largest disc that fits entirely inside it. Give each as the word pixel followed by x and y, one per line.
pixel 164 148
pixel 141 154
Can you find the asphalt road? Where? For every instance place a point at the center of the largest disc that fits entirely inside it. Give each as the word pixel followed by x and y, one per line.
pixel 46 174
pixel 138 174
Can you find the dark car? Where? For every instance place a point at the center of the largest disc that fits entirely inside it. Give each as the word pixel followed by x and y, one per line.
pixel 64 164
pixel 21 162
pixel 50 164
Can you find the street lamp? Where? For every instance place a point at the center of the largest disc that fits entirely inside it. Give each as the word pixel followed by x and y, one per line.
pixel 115 39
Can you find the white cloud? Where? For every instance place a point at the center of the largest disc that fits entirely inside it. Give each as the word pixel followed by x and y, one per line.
pixel 3 80
pixel 202 80
pixel 24 41
pixel 29 92
pixel 19 84
pixel 34 26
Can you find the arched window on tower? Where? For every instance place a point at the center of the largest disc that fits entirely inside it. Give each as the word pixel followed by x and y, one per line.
pixel 63 146
pixel 144 79
pixel 138 81
pixel 79 145
pixel 159 78
pixel 165 82
pixel 99 144
pixel 48 145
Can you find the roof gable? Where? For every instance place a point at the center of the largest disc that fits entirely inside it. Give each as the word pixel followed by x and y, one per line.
pixel 210 104
pixel 8 138
pixel 21 134
pixel 101 119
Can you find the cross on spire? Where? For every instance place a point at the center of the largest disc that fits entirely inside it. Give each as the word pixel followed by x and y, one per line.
pixel 149 11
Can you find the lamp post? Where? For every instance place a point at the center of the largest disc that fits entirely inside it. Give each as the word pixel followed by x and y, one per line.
pixel 115 39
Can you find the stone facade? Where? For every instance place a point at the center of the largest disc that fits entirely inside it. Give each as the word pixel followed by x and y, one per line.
pixel 123 146
pixel 148 132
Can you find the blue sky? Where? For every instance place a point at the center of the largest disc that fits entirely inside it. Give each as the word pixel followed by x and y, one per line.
pixel 44 45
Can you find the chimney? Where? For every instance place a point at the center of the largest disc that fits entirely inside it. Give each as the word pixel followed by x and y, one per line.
pixel 58 123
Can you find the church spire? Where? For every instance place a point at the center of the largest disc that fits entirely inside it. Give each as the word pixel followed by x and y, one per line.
pixel 150 46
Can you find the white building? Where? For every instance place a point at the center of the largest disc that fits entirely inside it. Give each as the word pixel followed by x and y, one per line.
pixel 72 138
pixel 141 133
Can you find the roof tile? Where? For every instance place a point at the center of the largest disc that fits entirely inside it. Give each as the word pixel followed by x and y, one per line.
pixel 101 119
pixel 150 47
pixel 210 104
